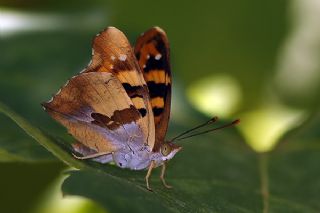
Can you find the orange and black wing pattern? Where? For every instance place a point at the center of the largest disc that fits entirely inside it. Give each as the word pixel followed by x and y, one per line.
pixel 152 53
pixel 112 52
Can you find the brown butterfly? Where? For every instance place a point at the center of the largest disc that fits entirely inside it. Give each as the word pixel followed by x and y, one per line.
pixel 118 108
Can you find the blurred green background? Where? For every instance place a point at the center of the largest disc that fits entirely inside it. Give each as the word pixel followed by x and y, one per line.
pixel 256 60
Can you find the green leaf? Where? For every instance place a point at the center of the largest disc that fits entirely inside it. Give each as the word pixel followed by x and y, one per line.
pixel 53 145
pixel 16 147
pixel 211 174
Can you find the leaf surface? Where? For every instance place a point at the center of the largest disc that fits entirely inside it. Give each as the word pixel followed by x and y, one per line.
pixel 213 173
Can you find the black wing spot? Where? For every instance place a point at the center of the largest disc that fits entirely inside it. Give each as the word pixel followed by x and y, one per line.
pixel 157 111
pixel 153 64
pixel 157 89
pixel 142 111
pixel 134 90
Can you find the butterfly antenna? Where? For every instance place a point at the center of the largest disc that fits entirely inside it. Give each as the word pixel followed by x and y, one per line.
pixel 233 123
pixel 212 120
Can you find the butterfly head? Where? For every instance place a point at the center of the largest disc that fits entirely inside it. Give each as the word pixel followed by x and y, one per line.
pixel 168 150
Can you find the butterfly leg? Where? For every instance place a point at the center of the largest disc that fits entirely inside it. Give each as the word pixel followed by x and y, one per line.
pixel 95 155
pixel 163 169
pixel 85 152
pixel 152 164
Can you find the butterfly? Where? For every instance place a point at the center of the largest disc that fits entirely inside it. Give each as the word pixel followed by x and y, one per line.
pixel 118 107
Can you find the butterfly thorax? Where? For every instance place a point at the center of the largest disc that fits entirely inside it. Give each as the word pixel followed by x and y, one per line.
pixel 141 157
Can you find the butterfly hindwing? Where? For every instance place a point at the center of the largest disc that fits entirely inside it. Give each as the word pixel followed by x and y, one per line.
pixel 152 53
pixel 113 53
pixel 95 109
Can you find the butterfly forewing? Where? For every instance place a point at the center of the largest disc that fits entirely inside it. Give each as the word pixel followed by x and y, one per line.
pixel 152 53
pixel 113 53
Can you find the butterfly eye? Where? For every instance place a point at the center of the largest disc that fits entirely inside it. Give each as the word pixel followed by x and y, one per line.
pixel 165 149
